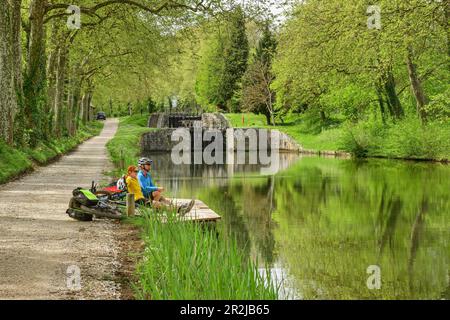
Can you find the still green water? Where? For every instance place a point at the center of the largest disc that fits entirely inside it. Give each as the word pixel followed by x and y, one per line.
pixel 321 223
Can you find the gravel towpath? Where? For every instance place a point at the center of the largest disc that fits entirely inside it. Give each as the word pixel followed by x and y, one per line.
pixel 41 248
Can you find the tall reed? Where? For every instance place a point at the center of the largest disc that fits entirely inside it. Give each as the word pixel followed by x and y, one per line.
pixel 186 260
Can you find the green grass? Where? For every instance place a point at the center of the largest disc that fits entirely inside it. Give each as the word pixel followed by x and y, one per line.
pixel 12 162
pixel 327 140
pixel 125 144
pixel 185 260
pixel 16 161
pixel 406 139
pixel 251 120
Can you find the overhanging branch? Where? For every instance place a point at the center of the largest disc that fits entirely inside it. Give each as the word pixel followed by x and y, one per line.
pixel 168 4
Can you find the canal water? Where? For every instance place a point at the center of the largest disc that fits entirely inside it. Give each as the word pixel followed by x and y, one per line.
pixel 332 228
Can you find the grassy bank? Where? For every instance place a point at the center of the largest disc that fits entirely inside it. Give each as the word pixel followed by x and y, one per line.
pixel 327 140
pixel 125 144
pixel 190 261
pixel 15 161
pixel 406 139
pixel 184 260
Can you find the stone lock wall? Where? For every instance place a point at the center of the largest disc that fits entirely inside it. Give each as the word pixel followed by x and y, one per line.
pixel 209 121
pixel 160 140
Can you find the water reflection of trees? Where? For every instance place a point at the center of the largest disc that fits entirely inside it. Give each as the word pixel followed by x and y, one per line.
pixel 336 218
pixel 329 219
pixel 246 214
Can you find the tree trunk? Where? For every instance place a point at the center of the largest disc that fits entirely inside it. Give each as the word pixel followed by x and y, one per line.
pixel 17 47
pixel 10 73
pixel 52 76
pixel 379 91
pixel 416 85
pixel 83 108
pixel 35 73
pixel 59 92
pixel 89 101
pixel 268 118
pixel 394 104
pixel 323 116
pixel 73 112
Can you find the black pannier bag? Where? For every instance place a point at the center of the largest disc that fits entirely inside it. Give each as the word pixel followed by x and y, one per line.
pixel 85 197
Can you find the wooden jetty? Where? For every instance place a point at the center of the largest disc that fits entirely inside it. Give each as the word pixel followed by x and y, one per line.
pixel 199 213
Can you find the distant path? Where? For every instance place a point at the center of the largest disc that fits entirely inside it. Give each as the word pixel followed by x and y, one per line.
pixel 38 241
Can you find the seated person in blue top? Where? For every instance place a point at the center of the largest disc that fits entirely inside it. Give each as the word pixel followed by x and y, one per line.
pixel 153 192
pixel 149 189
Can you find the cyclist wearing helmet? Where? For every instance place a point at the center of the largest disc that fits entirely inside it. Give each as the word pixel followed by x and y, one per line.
pixel 145 180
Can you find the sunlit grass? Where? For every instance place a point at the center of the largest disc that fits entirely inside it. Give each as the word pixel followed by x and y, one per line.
pixel 186 260
pixel 327 140
pixel 125 144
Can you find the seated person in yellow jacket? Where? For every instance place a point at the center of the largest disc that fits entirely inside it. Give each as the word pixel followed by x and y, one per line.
pixel 133 185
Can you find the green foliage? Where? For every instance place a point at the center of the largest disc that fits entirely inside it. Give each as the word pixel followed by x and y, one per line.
pixel 328 59
pixel 210 70
pixel 439 108
pixel 408 138
pixel 185 260
pixel 351 101
pixel 223 62
pixel 267 46
pixel 235 56
pixel 12 162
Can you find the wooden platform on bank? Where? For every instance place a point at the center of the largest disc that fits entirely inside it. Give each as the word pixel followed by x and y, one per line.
pixel 200 213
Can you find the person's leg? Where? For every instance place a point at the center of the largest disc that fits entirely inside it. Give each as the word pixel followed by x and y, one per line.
pixel 156 196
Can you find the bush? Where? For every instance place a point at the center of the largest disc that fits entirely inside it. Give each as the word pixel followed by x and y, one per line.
pixel 411 139
pixel 438 110
pixel 408 138
pixel 363 139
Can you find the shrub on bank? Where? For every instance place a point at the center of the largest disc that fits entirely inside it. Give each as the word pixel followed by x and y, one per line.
pixel 408 138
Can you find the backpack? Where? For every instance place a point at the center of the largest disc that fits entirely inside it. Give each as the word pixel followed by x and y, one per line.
pixel 85 197
pixel 122 183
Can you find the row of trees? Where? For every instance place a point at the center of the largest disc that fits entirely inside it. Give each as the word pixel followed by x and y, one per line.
pixel 226 64
pixel 218 55
pixel 333 59
pixel 50 73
